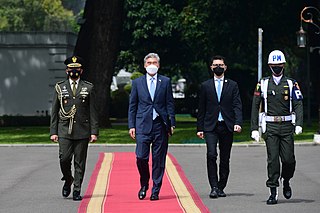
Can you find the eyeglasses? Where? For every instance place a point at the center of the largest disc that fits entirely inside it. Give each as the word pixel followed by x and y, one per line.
pixel 218 65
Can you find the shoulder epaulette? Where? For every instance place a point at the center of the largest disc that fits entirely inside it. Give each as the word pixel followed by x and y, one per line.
pixel 87 82
pixel 60 82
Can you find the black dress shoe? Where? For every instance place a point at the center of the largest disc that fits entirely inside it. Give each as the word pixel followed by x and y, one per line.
pixel 213 193
pixel 221 193
pixel 142 192
pixel 154 197
pixel 76 196
pixel 287 191
pixel 272 200
pixel 66 189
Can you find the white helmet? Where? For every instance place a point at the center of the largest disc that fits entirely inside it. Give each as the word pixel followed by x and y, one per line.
pixel 276 57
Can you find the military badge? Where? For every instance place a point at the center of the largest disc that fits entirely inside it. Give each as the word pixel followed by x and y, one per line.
pixel 286 92
pixel 258 86
pixel 84 92
pixel 286 97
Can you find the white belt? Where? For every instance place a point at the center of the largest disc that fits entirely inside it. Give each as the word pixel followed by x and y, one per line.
pixel 278 118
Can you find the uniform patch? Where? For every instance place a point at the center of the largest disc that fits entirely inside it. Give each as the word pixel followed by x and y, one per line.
pixel 256 93
pixel 297 95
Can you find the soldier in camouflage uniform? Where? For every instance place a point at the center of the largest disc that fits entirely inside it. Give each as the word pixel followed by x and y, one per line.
pixel 281 117
pixel 74 123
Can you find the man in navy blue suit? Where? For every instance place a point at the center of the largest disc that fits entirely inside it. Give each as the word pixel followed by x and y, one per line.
pixel 151 120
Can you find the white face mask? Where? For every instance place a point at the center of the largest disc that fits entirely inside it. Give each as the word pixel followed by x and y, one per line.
pixel 152 69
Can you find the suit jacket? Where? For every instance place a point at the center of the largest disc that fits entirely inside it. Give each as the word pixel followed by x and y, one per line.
pixel 141 105
pixel 85 122
pixel 209 107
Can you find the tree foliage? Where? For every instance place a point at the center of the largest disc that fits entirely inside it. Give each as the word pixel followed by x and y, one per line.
pixel 34 15
pixel 187 33
pixel 190 31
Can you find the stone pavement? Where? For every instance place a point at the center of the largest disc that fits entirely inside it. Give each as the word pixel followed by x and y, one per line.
pixel 30 179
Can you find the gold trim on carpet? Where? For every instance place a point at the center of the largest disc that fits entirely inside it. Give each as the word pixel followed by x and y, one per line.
pixel 180 188
pixel 96 202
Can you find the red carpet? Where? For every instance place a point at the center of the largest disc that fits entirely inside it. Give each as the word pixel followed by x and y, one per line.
pixel 114 186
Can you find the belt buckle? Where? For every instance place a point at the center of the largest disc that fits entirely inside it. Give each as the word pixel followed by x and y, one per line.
pixel 277 119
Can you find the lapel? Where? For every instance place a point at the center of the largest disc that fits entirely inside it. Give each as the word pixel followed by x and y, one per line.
pixel 81 84
pixel 68 86
pixel 212 87
pixel 224 88
pixel 145 86
pixel 158 85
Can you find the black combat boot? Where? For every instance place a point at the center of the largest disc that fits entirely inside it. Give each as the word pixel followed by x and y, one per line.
pixel 273 196
pixel 287 192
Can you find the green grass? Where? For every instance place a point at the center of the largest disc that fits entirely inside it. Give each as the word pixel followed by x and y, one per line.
pixel 185 133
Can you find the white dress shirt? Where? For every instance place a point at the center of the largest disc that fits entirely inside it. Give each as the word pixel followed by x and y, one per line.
pixel 71 82
pixel 216 82
pixel 220 118
pixel 155 86
pixel 277 79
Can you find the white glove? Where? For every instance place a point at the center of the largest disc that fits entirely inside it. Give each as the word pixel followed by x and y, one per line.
pixel 255 135
pixel 298 130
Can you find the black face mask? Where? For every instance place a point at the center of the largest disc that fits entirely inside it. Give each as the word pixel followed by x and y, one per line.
pixel 218 71
pixel 277 70
pixel 74 74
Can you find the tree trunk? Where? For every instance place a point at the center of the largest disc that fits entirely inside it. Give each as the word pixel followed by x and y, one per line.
pixel 98 44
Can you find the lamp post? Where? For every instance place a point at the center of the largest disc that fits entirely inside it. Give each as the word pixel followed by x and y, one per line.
pixel 307 15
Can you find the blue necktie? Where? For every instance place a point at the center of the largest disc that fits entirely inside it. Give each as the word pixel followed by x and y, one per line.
pixel 152 91
pixel 219 89
pixel 152 88
pixel 219 96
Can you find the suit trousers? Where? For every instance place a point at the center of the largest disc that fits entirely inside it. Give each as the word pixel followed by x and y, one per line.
pixel 222 136
pixel 158 139
pixel 280 144
pixel 77 149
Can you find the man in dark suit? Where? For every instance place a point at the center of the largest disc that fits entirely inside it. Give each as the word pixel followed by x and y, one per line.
pixel 74 123
pixel 151 120
pixel 219 115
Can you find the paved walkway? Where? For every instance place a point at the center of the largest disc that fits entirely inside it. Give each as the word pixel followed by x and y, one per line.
pixel 30 179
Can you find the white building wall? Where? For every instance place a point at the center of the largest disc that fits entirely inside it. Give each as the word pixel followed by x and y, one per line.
pixel 30 65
